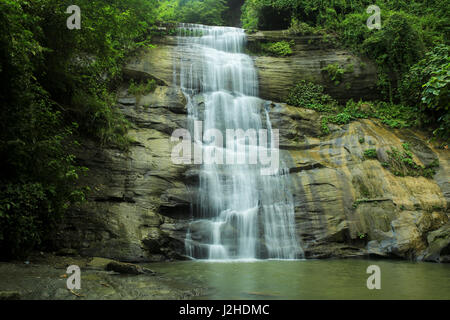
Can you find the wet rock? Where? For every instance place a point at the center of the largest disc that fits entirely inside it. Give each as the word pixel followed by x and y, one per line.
pixel 165 242
pixel 345 199
pixel 439 245
pixel 98 263
pixel 310 56
pixel 127 268
pixel 131 190
pixel 127 101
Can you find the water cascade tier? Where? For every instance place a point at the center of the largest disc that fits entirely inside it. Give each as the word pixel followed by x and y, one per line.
pixel 244 210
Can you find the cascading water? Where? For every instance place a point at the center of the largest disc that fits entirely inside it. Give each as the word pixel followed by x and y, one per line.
pixel 240 213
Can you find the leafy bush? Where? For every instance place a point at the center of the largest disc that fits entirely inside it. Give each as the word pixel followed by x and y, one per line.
pixel 209 12
pixel 395 48
pixel 265 15
pixel 370 153
pixel 426 85
pixel 280 48
pixel 56 86
pixel 309 95
pixel 301 28
pixel 99 120
pixel 353 31
pixel 341 118
pixel 336 72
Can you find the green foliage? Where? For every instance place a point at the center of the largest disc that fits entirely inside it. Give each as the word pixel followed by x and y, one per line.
pixel 397 115
pixel 353 30
pixel 56 85
pixel 426 85
pixel 142 88
pixel 167 11
pixel 336 72
pixel 280 48
pixel 395 48
pixel 435 94
pixel 98 120
pixel 249 17
pixel 262 14
pixel 401 164
pixel 301 28
pixel 209 12
pixel 309 95
pixel 370 153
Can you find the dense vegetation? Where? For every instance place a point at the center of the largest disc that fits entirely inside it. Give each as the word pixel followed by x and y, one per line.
pixel 411 48
pixel 209 12
pixel 279 49
pixel 57 86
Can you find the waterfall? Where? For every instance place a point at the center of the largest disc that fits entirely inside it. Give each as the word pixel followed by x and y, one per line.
pixel 240 213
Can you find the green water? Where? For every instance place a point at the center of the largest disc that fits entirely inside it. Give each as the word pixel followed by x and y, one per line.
pixel 311 279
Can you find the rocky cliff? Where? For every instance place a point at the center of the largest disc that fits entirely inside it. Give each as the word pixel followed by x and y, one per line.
pixel 311 54
pixel 345 204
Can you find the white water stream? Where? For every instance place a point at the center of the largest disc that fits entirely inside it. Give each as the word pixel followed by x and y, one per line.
pixel 240 213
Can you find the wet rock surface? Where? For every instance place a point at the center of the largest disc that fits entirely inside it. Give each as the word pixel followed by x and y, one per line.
pixel 46 278
pixel 348 205
pixel 127 268
pixel 310 55
pixel 136 193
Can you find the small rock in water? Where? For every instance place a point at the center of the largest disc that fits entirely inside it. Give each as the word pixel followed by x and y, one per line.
pixel 127 268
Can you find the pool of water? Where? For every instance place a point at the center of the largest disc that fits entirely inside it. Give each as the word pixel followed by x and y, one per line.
pixel 310 279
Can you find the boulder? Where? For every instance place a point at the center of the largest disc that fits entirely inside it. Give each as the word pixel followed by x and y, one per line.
pixel 127 268
pixel 438 245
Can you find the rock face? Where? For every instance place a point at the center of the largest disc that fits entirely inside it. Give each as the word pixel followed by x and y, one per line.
pixel 345 204
pixel 310 55
pixel 348 205
pixel 136 194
